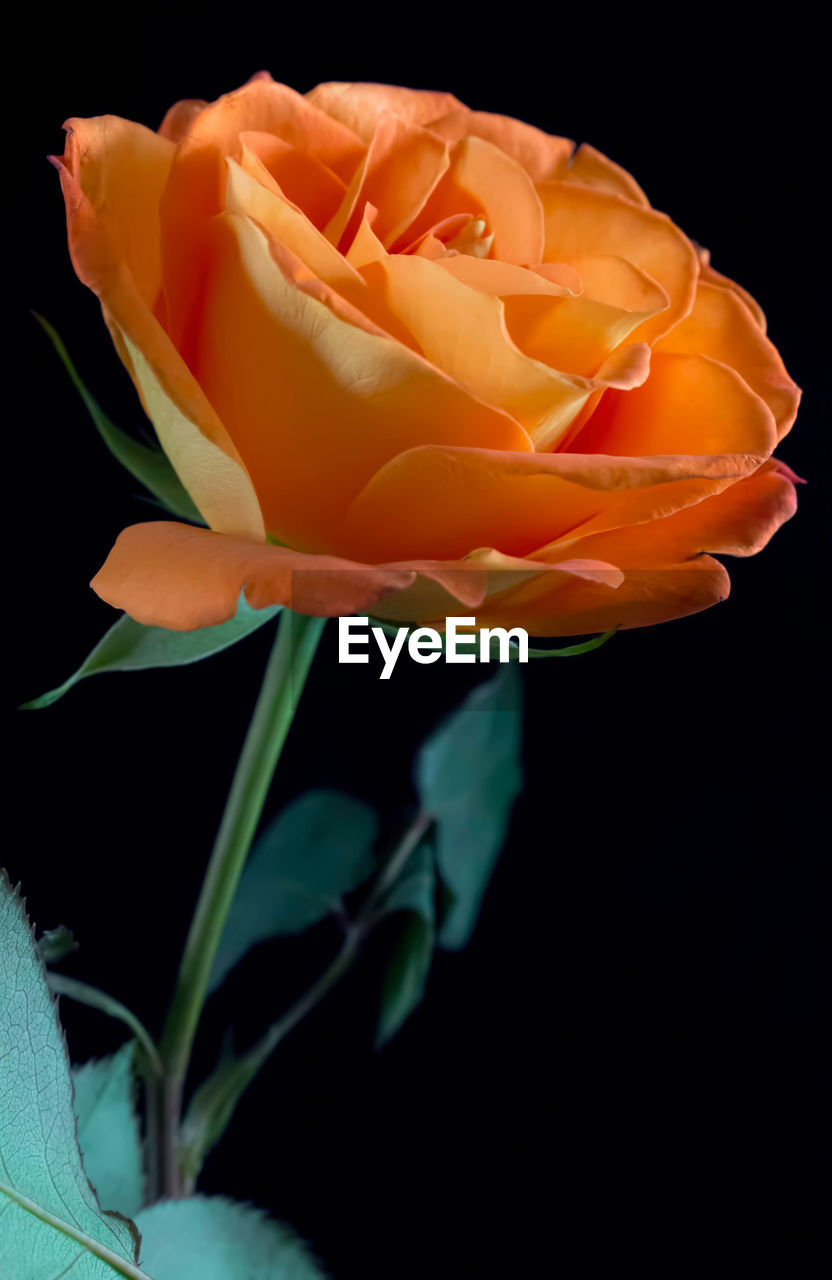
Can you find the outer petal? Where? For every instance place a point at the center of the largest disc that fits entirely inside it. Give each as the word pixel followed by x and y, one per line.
pixel 179 118
pixel 740 521
pixel 122 169
pixel 721 326
pixel 591 168
pixel 542 155
pixel 647 595
pixel 358 106
pixel 689 404
pixel 99 240
pixel 518 503
pixel 666 571
pixel 580 221
pixel 708 273
pixel 314 404
pixel 176 576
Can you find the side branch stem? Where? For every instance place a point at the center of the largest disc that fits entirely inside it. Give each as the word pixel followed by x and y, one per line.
pixel 283 681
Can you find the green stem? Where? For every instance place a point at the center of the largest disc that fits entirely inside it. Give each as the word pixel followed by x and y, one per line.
pixel 283 681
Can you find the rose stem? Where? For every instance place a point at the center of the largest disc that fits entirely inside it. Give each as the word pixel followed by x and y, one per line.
pixel 283 681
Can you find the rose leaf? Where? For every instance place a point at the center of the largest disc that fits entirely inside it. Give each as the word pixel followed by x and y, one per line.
pixel 468 775
pixel 50 1219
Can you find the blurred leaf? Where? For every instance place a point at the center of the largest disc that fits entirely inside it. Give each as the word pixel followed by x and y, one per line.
pixel 407 970
pixel 108 1130
pixel 131 646
pixel 150 466
pixel 468 775
pixel 55 944
pixel 51 1220
pixel 310 855
pixel 215 1239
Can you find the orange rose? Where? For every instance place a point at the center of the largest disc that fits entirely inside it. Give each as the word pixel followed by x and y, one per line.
pixel 408 357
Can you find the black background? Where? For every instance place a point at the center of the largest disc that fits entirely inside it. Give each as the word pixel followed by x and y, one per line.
pixel 627 1068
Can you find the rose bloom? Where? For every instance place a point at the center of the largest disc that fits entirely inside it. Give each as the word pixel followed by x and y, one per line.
pixel 408 357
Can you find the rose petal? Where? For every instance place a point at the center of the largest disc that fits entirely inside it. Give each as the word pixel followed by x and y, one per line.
pixel 517 503
pixel 358 106
pixel 179 118
pixel 190 431
pixel 482 180
pixel 689 404
pixel 314 404
pixel 196 188
pixel 582 222
pixel 176 576
pixel 711 276
pixel 721 326
pixel 463 332
pixel 608 278
pixel 122 169
pixel 542 155
pixel 591 168
pixel 645 597
pixel 505 279
pixel 402 166
pixel 301 177
pixel 666 573
pixel 441 587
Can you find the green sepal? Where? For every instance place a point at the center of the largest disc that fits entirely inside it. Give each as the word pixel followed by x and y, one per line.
pixel 566 651
pixel 131 646
pixel 149 465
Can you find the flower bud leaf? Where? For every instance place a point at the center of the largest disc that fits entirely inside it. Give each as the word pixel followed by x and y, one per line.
pixel 407 970
pixel 318 849
pixel 55 944
pixel 149 465
pixel 211 1238
pixel 108 1129
pixel 468 775
pixel 52 1220
pixel 131 646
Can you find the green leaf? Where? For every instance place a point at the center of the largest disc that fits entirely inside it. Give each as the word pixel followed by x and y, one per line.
pixel 315 851
pixel 131 646
pixel 51 1220
pixel 566 651
pixel 407 971
pixel 214 1239
pixel 108 1130
pixel 55 944
pixel 468 775
pixel 149 465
